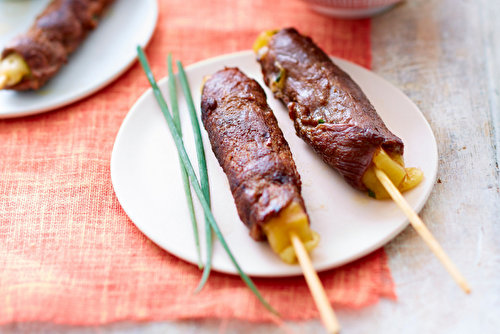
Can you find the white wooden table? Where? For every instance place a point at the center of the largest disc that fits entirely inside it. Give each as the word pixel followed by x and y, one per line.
pixel 445 55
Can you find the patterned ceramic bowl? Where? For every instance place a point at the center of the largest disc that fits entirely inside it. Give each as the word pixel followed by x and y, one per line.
pixel 351 9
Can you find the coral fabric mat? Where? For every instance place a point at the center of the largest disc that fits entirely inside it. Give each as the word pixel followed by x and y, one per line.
pixel 68 252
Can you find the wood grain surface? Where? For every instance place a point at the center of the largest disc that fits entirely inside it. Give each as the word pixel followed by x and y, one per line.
pixel 445 55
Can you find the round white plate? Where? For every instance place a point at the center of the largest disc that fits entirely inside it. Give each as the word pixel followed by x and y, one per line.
pixel 146 178
pixel 105 54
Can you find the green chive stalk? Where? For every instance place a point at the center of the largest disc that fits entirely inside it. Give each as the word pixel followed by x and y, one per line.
pixel 194 180
pixel 202 166
pixel 185 178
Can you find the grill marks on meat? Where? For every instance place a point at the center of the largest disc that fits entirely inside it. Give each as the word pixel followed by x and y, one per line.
pixel 57 32
pixel 250 148
pixel 329 110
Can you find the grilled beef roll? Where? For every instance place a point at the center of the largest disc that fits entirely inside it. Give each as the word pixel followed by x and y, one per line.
pixel 30 60
pixel 256 158
pixel 329 110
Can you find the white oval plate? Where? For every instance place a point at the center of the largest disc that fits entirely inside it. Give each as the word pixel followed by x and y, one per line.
pixel 146 178
pixel 105 54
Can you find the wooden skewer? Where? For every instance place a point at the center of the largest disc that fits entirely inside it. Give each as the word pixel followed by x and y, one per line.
pixel 3 81
pixel 318 292
pixel 422 230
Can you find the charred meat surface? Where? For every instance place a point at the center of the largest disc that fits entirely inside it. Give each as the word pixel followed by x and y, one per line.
pixel 57 32
pixel 250 148
pixel 329 110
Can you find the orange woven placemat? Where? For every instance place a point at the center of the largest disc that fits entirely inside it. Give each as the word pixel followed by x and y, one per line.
pixel 68 252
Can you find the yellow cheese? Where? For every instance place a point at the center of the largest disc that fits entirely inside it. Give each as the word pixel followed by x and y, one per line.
pixel 277 229
pixel 13 68
pixel 412 179
pixel 392 169
pixel 263 39
pixel 393 166
pixel 375 188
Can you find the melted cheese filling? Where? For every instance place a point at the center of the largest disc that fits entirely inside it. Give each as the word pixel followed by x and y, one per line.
pixel 290 219
pixel 393 166
pixel 13 68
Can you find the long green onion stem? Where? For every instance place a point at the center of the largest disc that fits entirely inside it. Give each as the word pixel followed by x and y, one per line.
pixel 202 166
pixel 194 180
pixel 185 178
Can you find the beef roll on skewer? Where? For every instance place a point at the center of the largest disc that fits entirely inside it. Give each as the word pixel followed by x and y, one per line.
pixel 264 181
pixel 332 114
pixel 258 163
pixel 30 60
